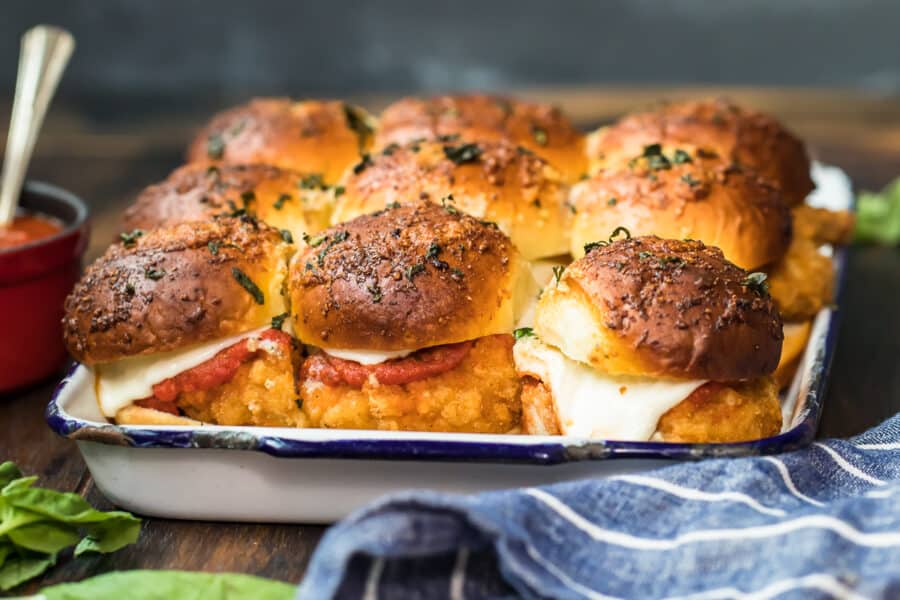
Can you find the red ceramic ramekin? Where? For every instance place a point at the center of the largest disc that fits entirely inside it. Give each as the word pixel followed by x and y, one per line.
pixel 34 281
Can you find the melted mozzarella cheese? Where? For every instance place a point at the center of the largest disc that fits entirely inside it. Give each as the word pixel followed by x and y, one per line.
pixel 120 383
pixel 367 357
pixel 592 404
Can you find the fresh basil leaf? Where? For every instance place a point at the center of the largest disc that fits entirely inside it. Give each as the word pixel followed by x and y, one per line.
pixel 12 518
pixel 5 550
pixel 8 472
pixel 109 536
pixel 878 215
pixel 19 569
pixel 172 585
pixel 46 537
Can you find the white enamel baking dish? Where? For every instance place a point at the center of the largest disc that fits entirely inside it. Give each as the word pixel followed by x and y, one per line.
pixel 320 475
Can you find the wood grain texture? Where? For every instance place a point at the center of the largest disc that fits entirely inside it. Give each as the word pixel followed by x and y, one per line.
pixel 107 159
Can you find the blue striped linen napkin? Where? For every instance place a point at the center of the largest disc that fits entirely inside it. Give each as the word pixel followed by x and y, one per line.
pixel 820 522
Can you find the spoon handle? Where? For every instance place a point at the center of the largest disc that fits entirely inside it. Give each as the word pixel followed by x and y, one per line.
pixel 44 54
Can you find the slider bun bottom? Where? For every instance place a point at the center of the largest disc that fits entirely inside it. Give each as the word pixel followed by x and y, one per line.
pixel 739 412
pixel 262 393
pixel 481 395
pixel 138 415
pixel 795 337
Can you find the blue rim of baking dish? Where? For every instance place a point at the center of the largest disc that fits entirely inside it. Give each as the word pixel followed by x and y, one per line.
pixel 470 449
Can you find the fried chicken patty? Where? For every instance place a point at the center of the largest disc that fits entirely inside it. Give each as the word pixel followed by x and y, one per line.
pixel 713 413
pixel 480 395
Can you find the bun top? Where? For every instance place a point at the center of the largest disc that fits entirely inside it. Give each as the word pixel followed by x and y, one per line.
pixel 173 288
pixel 281 198
pixel 541 128
pixel 662 308
pixel 737 134
pixel 496 181
pixel 322 137
pixel 407 278
pixel 674 193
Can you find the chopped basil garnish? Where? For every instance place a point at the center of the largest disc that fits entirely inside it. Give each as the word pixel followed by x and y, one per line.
pixel 278 320
pixel 462 154
pixel 612 201
pixel 523 332
pixel 279 204
pixel 757 283
pixel 613 237
pixel 313 182
pixel 339 237
pixel 363 164
pixel 681 157
pixel 248 285
pixel 213 247
pixel 129 238
pixel 617 231
pixel 374 291
pixel 539 134
pixel 154 273
pixel 449 207
pixel 414 270
pixel 689 179
pixel 557 273
pixel 338 191
pixel 215 146
pixel 286 236
pixel 312 242
pixel 356 121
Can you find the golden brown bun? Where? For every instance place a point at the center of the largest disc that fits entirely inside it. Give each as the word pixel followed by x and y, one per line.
pixel 802 282
pixel 197 192
pixel 480 395
pixel 496 181
pixel 406 278
pixel 795 337
pixel 741 135
pixel 176 287
pixel 731 413
pixel 706 199
pixel 541 128
pixel 312 136
pixel 661 308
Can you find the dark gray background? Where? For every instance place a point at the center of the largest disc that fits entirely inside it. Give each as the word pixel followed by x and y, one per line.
pixel 236 48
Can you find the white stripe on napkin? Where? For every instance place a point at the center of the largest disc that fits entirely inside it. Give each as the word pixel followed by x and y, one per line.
pixel 789 483
pixel 820 581
pixel 886 446
pixel 692 494
pixel 842 463
pixel 458 578
pixel 841 528
pixel 371 590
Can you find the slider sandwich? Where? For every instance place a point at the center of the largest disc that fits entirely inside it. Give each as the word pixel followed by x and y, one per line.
pixel 407 317
pixel 652 339
pixel 737 135
pixel 690 192
pixel 183 324
pixel 312 136
pixel 541 128
pixel 496 181
pixel 284 199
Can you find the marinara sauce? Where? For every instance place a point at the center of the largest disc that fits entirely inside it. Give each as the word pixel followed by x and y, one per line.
pixel 26 228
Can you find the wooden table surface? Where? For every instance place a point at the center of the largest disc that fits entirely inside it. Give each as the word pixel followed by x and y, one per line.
pixel 106 154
